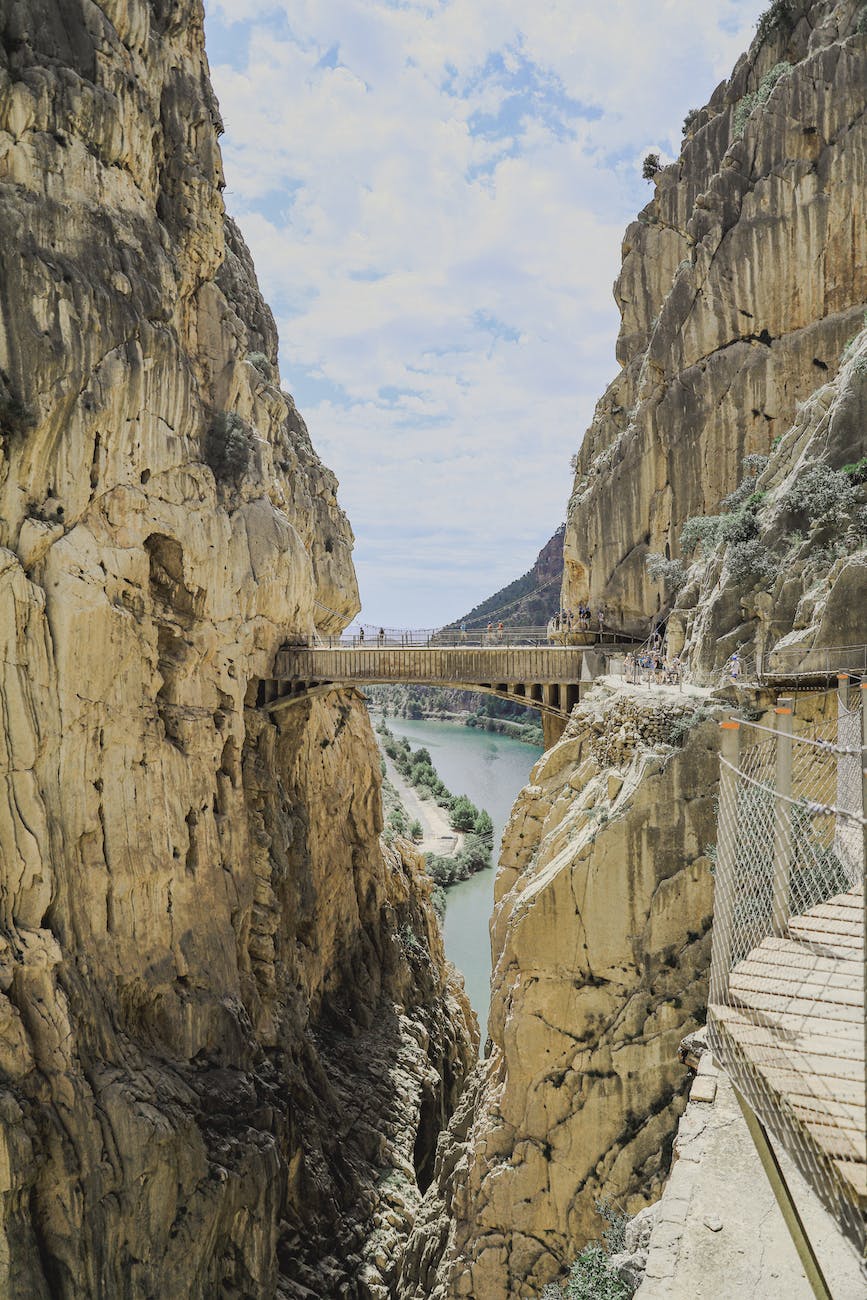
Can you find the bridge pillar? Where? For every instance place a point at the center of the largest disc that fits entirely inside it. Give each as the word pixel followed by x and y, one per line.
pixel 552 729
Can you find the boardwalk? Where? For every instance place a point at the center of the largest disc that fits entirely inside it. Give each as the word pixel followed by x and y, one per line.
pixel 786 1013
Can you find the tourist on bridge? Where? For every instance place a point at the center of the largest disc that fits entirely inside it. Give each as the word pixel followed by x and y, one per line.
pixel 600 615
pixel 463 631
pixel 490 632
pixel 361 636
pixel 382 636
pixel 499 631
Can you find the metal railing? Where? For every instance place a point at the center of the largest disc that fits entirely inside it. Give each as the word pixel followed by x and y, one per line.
pixel 369 637
pixel 786 1012
pixel 796 663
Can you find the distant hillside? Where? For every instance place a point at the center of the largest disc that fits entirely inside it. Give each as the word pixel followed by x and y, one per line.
pixel 529 601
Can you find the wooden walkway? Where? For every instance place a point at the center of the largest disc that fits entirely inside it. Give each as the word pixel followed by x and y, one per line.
pixel 792 1038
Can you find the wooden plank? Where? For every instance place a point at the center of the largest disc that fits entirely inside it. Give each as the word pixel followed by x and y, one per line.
pixel 804 1052
pixel 855 1174
pixel 768 995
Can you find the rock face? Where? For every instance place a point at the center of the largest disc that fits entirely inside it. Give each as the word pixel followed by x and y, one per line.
pixel 227 1033
pixel 742 281
pixel 601 937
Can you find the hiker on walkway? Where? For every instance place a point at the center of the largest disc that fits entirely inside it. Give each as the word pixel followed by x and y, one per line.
pixel 734 667
pixel 361 636
pixel 382 636
pixel 463 631
pixel 499 631
pixel 600 615
pixel 490 633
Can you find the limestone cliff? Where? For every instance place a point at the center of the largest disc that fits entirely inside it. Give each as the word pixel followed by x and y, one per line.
pixel 740 407
pixel 742 281
pixel 601 941
pixel 227 1033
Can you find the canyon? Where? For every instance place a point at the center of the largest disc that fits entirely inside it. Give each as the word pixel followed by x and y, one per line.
pixel 234 1060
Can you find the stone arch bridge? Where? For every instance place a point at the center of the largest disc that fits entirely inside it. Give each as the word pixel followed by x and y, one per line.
pixel 544 677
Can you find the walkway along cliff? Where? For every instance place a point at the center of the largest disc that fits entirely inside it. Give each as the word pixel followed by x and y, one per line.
pixel 228 1038
pixel 743 298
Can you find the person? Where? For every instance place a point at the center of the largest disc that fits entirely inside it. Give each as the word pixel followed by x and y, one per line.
pixel 499 631
pixel 629 668
pixel 361 636
pixel 734 667
pixel 382 636
pixel 490 631
pixel 463 631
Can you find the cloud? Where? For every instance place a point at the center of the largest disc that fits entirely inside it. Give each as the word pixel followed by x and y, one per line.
pixel 435 194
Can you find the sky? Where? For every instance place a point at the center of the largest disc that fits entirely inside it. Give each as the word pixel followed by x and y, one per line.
pixel 435 194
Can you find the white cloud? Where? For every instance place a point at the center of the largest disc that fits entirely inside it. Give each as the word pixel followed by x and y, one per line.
pixel 435 195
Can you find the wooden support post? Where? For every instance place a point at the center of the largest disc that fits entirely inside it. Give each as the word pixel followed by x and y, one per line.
pixel 782 818
pixel 783 1195
pixel 726 858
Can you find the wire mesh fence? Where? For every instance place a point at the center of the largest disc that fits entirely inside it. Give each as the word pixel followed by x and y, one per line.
pixel 787 1004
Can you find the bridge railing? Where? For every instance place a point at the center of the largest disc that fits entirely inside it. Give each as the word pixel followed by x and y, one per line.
pixel 449 638
pixel 786 1012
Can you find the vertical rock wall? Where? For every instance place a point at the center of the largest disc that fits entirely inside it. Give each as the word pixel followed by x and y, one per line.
pixel 601 934
pixel 227 1037
pixel 742 281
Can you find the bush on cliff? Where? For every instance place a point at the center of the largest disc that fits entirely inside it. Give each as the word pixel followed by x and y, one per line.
pixel 227 447
pixel 15 416
pixel 782 13
pixel 758 97
pixel 591 1278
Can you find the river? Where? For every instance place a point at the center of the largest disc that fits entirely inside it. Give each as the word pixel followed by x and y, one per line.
pixel 490 769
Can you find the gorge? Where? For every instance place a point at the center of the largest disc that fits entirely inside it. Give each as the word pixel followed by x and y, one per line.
pixel 234 1059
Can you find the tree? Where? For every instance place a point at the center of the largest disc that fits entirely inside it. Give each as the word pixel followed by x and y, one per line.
pixel 651 166
pixel 416 832
pixel 463 813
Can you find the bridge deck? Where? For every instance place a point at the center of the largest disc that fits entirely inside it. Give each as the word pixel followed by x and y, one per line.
pixel 449 666
pixel 793 1041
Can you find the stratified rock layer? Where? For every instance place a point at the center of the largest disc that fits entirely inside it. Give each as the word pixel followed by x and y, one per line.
pixel 742 281
pixel 227 1036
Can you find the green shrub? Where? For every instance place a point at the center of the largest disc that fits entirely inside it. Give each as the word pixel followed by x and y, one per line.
pixel 227 447
pixel 690 120
pixel 262 364
pixel 592 1278
pixel 463 813
pixel 751 561
pixel 650 166
pixel 671 573
pixel 755 463
pixel 416 831
pixel 485 828
pixel 856 472
pixel 782 13
pixel 758 97
pixel 861 21
pixel 615 1234
pixel 741 494
pixel 739 527
pixel 703 529
pixel 819 493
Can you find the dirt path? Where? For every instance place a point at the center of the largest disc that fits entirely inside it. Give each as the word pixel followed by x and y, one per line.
pixel 439 837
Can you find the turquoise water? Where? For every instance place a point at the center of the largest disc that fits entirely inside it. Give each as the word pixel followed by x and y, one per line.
pixel 491 769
